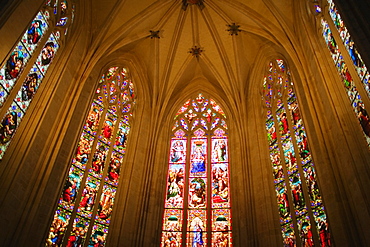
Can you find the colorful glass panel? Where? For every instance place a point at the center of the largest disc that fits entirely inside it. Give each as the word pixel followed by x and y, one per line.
pixel 348 43
pixel 23 51
pixel 221 235
pixel 349 85
pixel 98 235
pixel 198 157
pixel 57 230
pixel 220 186
pixel 299 201
pixel 198 178
pixel 79 230
pixel 197 234
pixel 94 174
pixel 175 185
pixel 17 89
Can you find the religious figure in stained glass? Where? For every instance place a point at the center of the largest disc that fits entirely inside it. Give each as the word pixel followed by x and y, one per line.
pixel 87 202
pixel 292 162
pixel 40 38
pixel 34 32
pixel 198 177
pixel 177 152
pixel 14 65
pixel 342 65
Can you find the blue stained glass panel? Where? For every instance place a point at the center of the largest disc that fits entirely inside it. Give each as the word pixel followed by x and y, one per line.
pixel 98 235
pixel 71 188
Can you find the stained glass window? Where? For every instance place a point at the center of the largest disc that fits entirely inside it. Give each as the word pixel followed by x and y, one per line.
pixel 197 209
pixel 299 200
pixel 350 46
pixel 347 80
pixel 343 66
pixel 24 70
pixel 86 203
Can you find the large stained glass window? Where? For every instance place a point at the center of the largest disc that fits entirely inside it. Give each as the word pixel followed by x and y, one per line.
pixel 298 196
pixel 342 65
pixel 24 69
pixel 85 206
pixel 197 204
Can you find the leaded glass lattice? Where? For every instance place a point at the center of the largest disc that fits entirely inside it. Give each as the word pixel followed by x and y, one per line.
pixel 300 204
pixel 86 203
pixel 197 204
pixel 350 46
pixel 20 79
pixel 349 80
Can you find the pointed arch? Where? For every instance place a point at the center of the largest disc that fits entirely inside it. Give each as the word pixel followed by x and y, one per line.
pixel 197 206
pixel 300 203
pixel 86 203
pixel 33 54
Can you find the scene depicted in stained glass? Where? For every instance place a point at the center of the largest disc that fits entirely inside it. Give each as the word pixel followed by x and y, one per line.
pixel 347 79
pixel 175 192
pixel 197 207
pixel 87 198
pixel 299 201
pixel 20 80
pixel 349 44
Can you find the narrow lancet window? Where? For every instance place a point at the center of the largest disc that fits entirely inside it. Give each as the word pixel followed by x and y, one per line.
pixel 300 204
pixel 350 46
pixel 332 33
pixel 25 68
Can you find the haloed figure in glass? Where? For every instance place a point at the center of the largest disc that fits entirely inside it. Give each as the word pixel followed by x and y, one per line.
pixel 34 32
pixel 14 65
pixel 29 87
pixel 198 160
pixel 8 126
pixel 47 53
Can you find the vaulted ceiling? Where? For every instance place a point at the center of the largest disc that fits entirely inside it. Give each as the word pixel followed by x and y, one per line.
pixel 179 40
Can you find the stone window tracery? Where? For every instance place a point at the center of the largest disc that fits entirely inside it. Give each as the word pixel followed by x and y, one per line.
pixel 197 204
pixel 86 203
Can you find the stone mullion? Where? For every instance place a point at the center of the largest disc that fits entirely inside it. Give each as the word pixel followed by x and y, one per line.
pixel 105 172
pixel 83 180
pixel 274 108
pixel 19 82
pixel 347 59
pixel 306 195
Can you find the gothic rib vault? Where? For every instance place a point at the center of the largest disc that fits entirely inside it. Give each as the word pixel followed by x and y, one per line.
pixel 175 49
